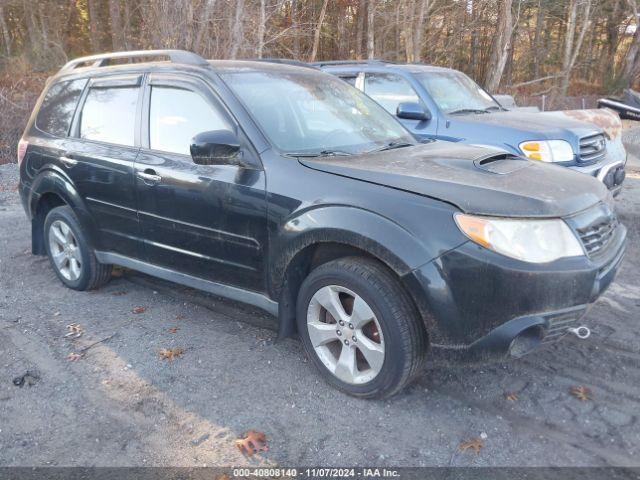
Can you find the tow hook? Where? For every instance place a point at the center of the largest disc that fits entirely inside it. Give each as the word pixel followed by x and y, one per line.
pixel 581 332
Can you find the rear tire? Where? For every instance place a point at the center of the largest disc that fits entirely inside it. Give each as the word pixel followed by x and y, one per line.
pixel 72 258
pixel 382 354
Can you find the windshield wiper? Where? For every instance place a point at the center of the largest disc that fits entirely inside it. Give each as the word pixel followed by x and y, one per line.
pixel 462 111
pixel 322 153
pixel 391 146
pixel 493 108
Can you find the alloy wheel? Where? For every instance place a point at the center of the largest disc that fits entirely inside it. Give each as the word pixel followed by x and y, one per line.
pixel 65 250
pixel 345 334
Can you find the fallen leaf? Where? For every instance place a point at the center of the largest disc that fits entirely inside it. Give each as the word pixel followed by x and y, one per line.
pixel 180 317
pixel 252 442
pixel 511 396
pixel 74 357
pixel 582 393
pixel 173 329
pixel 476 444
pixel 170 353
pixel 139 309
pixel 119 293
pixel 75 330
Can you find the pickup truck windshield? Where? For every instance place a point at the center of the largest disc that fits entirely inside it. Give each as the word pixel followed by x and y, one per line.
pixel 314 114
pixel 455 93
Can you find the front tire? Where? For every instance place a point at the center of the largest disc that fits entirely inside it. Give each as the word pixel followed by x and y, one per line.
pixel 72 258
pixel 360 328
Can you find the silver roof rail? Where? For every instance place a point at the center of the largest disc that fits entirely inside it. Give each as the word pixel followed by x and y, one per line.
pixel 175 56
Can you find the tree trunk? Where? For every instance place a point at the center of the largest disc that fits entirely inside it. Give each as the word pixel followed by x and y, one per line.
pixel 535 66
pixel 203 28
pixel 407 30
pixel 117 39
pixel 295 29
pixel 262 26
pixel 5 32
pixel 316 34
pixel 236 34
pixel 572 45
pixel 371 13
pixel 360 29
pixel 500 47
pixel 94 32
pixel 631 64
pixel 418 30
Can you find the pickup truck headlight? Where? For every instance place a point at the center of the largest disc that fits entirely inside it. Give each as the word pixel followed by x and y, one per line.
pixel 535 241
pixel 547 150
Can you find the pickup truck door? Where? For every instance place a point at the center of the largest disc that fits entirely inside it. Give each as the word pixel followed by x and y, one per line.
pixel 207 221
pixel 389 90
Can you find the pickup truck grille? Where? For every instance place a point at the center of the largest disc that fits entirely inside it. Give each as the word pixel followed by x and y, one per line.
pixel 597 236
pixel 592 148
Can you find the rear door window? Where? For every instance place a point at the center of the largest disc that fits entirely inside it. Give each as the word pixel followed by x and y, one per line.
pixel 109 115
pixel 389 90
pixel 177 115
pixel 58 107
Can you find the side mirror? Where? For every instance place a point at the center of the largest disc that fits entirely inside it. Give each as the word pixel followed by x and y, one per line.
pixel 412 111
pixel 216 147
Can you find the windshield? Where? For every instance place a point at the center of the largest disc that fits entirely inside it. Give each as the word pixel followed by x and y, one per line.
pixel 308 112
pixel 454 92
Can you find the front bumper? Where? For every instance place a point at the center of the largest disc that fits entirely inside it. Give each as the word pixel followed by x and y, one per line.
pixel 611 171
pixel 481 302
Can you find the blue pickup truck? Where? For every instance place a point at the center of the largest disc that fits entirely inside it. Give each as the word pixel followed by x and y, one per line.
pixel 445 104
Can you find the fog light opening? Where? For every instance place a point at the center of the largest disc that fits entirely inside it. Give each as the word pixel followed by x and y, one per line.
pixel 526 341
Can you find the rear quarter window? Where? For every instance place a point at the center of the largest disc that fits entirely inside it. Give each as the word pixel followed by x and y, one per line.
pixel 109 115
pixel 58 107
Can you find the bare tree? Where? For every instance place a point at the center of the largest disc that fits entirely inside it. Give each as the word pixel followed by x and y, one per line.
pixel 117 38
pixel 5 32
pixel 500 46
pixel 262 26
pixel 572 45
pixel 631 64
pixel 237 31
pixel 316 35
pixel 371 28
pixel 207 12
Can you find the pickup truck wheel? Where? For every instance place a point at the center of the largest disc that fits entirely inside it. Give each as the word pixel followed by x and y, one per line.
pixel 360 328
pixel 70 255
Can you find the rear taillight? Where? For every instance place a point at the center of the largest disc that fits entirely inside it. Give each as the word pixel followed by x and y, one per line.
pixel 22 150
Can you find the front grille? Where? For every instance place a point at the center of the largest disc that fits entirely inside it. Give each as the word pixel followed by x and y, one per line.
pixel 597 236
pixel 592 148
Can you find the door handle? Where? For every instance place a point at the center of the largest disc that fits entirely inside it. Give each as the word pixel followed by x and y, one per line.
pixel 68 162
pixel 149 176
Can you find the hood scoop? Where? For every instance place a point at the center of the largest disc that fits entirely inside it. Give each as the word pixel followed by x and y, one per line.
pixel 501 164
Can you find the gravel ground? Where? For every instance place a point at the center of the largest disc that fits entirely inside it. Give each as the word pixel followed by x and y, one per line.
pixel 121 405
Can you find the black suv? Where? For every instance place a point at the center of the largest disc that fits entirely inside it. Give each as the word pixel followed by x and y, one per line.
pixel 284 187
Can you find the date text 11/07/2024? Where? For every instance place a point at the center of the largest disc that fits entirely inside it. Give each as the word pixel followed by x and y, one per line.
pixel 315 473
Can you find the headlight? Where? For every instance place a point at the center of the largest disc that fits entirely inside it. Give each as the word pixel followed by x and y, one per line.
pixel 548 150
pixel 536 241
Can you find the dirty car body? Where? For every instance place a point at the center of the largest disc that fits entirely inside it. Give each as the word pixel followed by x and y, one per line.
pixel 459 110
pixel 287 206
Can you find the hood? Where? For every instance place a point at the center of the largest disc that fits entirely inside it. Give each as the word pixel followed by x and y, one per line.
pixel 545 126
pixel 477 180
